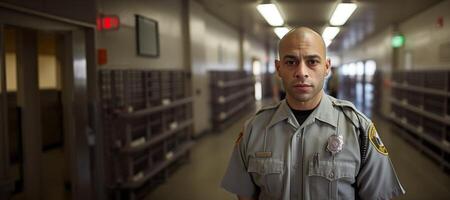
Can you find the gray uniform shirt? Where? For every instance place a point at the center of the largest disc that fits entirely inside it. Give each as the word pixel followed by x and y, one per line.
pixel 276 158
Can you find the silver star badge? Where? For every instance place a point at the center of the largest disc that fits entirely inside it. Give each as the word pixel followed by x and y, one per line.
pixel 335 143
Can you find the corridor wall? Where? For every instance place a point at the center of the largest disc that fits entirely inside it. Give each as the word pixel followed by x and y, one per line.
pixel 426 47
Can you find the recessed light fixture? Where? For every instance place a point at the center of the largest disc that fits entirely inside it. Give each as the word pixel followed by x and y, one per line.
pixel 270 13
pixel 281 31
pixel 341 14
pixel 329 33
pixel 327 42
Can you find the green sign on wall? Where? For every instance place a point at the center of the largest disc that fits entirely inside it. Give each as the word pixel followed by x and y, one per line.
pixel 398 41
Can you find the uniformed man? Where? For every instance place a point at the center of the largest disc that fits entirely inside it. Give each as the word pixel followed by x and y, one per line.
pixel 310 146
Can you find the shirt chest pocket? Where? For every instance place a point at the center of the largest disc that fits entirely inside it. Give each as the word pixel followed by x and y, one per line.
pixel 268 175
pixel 328 180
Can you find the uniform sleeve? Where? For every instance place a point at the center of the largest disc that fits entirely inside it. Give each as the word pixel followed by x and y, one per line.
pixel 377 178
pixel 236 179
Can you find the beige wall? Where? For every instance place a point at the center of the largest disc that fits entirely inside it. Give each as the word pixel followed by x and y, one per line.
pixel 377 48
pixel 427 44
pixel 214 45
pixel 121 44
pixel 222 44
pixel 207 43
pixel 424 42
pixel 253 49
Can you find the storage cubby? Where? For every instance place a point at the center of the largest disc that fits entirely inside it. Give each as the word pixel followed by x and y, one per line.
pixel 232 94
pixel 147 124
pixel 420 106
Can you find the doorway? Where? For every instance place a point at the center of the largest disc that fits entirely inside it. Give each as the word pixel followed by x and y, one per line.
pixel 48 109
pixel 44 126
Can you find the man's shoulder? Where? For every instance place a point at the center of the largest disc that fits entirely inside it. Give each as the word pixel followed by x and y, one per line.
pixel 342 103
pixel 258 121
pixel 350 110
pixel 268 109
pixel 264 114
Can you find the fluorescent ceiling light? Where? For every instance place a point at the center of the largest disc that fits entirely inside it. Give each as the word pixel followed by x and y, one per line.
pixel 329 33
pixel 281 31
pixel 328 42
pixel 271 14
pixel 341 14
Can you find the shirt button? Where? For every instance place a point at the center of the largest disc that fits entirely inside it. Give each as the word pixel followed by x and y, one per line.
pixel 331 175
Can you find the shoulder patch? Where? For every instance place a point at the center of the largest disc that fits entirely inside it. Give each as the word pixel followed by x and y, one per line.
pixel 376 140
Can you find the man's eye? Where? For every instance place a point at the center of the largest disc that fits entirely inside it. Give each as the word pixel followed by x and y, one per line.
pixel 313 62
pixel 290 62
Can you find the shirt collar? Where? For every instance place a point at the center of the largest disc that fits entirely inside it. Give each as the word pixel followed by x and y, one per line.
pixel 324 112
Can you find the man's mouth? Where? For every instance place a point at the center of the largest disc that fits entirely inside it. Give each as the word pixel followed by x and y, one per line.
pixel 302 87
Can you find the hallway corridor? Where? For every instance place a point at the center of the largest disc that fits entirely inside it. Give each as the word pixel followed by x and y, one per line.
pixel 133 100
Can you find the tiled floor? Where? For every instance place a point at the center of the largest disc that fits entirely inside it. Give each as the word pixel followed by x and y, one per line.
pixel 200 178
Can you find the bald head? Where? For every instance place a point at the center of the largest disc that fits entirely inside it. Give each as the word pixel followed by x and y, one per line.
pixel 301 35
pixel 302 67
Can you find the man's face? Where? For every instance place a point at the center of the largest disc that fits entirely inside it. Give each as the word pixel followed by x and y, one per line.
pixel 302 66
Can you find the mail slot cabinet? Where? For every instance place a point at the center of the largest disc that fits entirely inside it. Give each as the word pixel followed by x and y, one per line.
pixel 420 103
pixel 232 95
pixel 147 123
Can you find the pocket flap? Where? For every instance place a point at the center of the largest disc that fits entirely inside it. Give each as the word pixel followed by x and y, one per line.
pixel 326 170
pixel 265 166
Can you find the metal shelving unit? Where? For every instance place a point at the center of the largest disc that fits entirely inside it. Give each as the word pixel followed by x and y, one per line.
pixel 232 94
pixel 147 122
pixel 420 106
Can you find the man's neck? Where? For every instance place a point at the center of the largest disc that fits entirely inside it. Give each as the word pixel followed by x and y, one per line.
pixel 305 105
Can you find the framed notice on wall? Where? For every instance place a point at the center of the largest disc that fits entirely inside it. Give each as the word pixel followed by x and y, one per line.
pixel 147 36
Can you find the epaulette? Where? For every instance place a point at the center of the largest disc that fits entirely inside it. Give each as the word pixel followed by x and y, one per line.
pixel 268 107
pixel 350 111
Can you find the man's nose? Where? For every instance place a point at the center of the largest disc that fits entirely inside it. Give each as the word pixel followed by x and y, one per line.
pixel 301 71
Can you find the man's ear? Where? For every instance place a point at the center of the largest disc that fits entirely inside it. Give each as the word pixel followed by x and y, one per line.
pixel 327 66
pixel 277 67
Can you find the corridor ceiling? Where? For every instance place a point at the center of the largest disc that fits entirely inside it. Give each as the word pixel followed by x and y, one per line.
pixel 370 17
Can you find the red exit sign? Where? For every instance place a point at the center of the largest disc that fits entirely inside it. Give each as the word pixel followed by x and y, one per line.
pixel 108 22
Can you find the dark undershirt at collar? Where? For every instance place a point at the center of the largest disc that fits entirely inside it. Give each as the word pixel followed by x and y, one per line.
pixel 301 115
